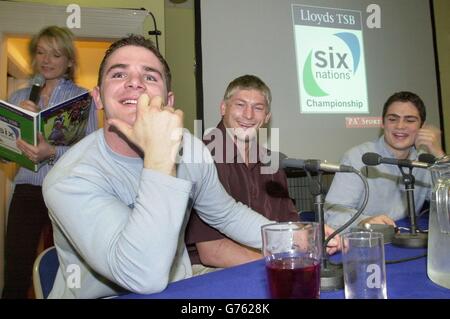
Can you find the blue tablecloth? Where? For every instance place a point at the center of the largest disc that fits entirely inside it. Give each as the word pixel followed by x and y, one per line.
pixel 404 280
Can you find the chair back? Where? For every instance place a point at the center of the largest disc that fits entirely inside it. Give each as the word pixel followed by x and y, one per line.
pixel 44 272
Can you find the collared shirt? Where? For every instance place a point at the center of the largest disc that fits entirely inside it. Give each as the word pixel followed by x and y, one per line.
pixel 387 194
pixel 267 194
pixel 63 91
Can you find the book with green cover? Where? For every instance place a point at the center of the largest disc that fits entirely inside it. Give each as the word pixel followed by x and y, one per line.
pixel 61 124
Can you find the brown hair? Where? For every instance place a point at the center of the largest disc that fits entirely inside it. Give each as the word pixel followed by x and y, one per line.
pixel 139 41
pixel 405 96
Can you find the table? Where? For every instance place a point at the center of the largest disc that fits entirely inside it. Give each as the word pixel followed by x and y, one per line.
pixel 407 280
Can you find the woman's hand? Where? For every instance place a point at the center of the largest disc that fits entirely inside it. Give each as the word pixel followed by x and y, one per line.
pixel 29 105
pixel 37 153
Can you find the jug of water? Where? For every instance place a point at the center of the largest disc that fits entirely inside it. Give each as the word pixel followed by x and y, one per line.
pixel 438 264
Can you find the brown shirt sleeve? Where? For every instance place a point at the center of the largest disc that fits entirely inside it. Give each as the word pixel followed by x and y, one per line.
pixel 266 194
pixel 200 231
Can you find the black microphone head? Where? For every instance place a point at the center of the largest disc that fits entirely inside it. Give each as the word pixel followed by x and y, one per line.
pixel 292 163
pixel 371 159
pixel 426 158
pixel 282 156
pixel 36 85
pixel 38 80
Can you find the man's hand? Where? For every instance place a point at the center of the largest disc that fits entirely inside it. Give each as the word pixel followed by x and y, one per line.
pixel 334 244
pixel 157 131
pixel 379 219
pixel 37 153
pixel 429 137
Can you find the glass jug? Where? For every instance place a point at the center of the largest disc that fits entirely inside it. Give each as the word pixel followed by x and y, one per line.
pixel 438 266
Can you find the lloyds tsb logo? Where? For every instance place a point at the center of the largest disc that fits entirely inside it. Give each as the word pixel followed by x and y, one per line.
pixel 338 61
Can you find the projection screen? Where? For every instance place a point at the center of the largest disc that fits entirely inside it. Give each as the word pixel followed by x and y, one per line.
pixel 331 65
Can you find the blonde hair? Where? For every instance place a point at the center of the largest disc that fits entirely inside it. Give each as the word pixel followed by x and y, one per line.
pixel 59 38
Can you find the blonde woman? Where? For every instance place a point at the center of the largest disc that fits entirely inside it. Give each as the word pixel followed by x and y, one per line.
pixel 53 58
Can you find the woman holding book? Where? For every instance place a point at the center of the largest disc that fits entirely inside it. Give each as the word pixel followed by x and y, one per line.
pixel 53 60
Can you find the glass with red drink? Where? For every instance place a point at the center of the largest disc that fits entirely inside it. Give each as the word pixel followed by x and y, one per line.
pixel 292 253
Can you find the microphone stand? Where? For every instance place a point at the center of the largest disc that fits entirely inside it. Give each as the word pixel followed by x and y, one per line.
pixel 331 275
pixel 415 238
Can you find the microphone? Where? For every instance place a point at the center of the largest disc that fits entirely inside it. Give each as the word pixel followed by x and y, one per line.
pixel 36 85
pixel 373 159
pixel 315 165
pixel 427 158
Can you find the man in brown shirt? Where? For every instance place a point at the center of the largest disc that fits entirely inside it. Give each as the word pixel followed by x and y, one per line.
pixel 240 162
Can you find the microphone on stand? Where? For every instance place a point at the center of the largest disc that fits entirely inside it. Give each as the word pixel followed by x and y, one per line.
pixel 427 158
pixel 373 159
pixel 314 165
pixel 414 239
pixel 36 85
pixel 331 275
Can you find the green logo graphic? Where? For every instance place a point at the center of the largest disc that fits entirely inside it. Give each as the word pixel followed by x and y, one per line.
pixel 309 81
pixel 309 78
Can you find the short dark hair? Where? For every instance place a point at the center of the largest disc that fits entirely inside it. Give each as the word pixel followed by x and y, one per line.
pixel 405 96
pixel 139 41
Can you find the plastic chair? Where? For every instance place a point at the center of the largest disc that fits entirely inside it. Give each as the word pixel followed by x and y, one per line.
pixel 307 216
pixel 44 272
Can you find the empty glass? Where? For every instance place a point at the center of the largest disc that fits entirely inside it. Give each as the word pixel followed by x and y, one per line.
pixel 364 265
